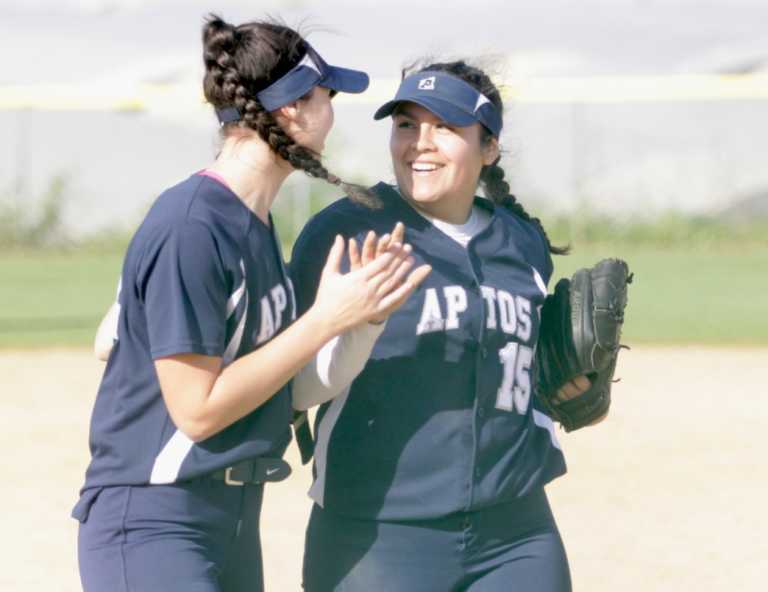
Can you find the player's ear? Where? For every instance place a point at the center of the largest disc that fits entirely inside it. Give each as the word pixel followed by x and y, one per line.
pixel 491 151
pixel 289 112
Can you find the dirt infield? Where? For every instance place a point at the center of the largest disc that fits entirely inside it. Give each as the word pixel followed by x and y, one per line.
pixel 666 495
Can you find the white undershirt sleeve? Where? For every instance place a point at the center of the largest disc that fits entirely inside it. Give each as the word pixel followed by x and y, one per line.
pixel 335 366
pixel 106 334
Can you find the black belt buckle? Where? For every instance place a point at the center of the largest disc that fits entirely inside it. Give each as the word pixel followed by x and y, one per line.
pixel 228 478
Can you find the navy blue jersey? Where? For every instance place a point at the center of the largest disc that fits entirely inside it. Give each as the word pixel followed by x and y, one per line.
pixel 202 275
pixel 441 419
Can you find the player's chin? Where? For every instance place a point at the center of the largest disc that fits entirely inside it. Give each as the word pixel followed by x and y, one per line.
pixel 417 190
pixel 424 192
pixel 317 147
pixel 314 143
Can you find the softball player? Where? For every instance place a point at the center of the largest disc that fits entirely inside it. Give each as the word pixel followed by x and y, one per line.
pixel 430 464
pixel 192 415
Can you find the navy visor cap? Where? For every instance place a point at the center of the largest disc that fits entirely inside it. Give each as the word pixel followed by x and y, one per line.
pixel 311 71
pixel 451 99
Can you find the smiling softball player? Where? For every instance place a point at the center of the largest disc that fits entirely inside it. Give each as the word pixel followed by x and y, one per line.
pixel 430 463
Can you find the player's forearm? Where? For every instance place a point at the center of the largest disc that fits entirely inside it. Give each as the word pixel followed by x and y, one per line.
pixel 251 380
pixel 335 366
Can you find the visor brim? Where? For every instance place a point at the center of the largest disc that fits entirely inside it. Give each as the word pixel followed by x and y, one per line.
pixel 345 80
pixel 447 112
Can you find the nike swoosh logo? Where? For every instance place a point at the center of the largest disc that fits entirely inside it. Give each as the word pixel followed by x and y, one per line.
pixel 272 471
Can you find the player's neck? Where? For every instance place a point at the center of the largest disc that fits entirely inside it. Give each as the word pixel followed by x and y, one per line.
pixel 452 211
pixel 253 172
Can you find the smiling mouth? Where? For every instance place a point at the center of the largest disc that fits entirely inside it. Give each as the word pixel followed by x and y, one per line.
pixel 425 167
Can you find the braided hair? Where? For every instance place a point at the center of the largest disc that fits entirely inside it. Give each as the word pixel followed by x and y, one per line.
pixel 492 179
pixel 242 60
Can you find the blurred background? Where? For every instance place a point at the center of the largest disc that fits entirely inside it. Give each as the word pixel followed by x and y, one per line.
pixel 633 128
pixel 642 124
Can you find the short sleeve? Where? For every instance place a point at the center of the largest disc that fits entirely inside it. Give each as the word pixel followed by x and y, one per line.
pixel 185 294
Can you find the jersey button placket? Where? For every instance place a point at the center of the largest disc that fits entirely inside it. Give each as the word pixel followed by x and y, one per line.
pixel 480 355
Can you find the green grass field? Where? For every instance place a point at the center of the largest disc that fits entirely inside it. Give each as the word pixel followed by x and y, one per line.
pixel 683 296
pixel 680 295
pixel 55 299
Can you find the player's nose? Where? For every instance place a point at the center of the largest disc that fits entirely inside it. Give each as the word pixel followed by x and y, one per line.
pixel 424 139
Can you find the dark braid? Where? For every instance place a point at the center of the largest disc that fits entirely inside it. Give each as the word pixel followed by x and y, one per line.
pixel 492 179
pixel 497 189
pixel 240 61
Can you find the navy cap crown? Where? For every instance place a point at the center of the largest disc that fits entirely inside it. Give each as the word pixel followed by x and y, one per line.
pixel 452 99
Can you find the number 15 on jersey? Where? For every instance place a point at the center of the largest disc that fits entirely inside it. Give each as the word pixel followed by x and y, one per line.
pixel 515 390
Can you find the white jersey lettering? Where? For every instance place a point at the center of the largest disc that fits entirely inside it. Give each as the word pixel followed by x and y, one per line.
pixel 456 301
pixel 523 307
pixel 507 314
pixel 514 393
pixel 489 294
pixel 292 292
pixel 522 388
pixel 431 316
pixel 267 322
pixel 280 299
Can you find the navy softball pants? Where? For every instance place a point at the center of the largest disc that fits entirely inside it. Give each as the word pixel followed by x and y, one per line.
pixel 199 536
pixel 513 547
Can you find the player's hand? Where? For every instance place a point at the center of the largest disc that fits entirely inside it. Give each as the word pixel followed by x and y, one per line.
pixel 401 284
pixel 573 389
pixel 346 300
